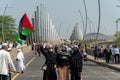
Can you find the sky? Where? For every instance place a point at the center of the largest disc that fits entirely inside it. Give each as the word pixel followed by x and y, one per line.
pixel 65 13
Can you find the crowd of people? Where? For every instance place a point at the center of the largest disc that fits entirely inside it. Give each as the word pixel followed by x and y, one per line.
pixel 6 64
pixel 61 61
pixel 109 53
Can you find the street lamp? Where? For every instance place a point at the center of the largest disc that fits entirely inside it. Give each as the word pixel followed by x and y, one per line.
pixel 82 19
pixel 60 30
pixel 99 20
pixel 117 24
pixel 3 38
pixel 85 29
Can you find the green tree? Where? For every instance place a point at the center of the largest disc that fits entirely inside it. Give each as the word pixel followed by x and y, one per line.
pixel 117 35
pixel 9 28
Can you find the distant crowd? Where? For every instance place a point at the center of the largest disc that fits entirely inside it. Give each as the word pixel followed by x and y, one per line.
pixel 110 53
pixel 10 45
pixel 61 60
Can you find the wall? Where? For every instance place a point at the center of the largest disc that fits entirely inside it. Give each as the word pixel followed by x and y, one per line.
pixel 26 50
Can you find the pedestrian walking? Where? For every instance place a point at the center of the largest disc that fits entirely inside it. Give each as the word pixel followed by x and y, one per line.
pixel 101 52
pixel 84 53
pixel 116 54
pixel 35 49
pixel 112 53
pixel 107 53
pixel 76 64
pixel 96 52
pixel 62 60
pixel 50 64
pixel 6 63
pixel 20 61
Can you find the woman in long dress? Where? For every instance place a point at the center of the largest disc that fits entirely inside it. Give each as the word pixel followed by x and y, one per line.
pixel 76 63
pixel 62 64
pixel 20 61
pixel 50 72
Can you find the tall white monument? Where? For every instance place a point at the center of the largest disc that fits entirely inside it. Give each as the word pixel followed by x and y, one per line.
pixel 44 28
pixel 76 34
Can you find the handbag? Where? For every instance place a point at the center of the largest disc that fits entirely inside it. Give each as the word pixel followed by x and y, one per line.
pixel 44 67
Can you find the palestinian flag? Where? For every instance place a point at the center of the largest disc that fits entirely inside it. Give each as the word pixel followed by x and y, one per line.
pixel 18 39
pixel 25 28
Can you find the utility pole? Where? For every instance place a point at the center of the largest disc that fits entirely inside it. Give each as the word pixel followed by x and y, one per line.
pixel 67 30
pixel 3 37
pixel 85 30
pixel 82 20
pixel 60 30
pixel 98 20
pixel 117 24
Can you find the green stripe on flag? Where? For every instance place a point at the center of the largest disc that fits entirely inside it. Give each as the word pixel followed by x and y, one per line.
pixel 18 39
pixel 26 31
pixel 20 42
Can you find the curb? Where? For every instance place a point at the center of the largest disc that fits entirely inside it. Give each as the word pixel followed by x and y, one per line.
pixel 106 65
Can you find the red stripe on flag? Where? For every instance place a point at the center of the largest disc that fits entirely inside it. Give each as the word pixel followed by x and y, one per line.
pixel 26 23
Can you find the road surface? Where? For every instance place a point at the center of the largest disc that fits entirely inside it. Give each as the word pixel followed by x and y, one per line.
pixel 91 71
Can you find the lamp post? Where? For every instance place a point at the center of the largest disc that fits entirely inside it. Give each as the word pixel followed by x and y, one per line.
pixel 117 24
pixel 82 19
pixel 99 19
pixel 3 38
pixel 60 30
pixel 85 30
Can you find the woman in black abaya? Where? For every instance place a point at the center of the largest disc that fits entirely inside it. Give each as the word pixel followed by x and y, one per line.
pixel 76 63
pixel 50 72
pixel 62 60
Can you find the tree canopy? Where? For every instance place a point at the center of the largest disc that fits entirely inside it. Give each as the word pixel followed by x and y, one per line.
pixel 9 28
pixel 117 35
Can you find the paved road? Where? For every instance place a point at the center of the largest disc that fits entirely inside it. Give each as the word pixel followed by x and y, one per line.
pixel 91 71
pixel 33 70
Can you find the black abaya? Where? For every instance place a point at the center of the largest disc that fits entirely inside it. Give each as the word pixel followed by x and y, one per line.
pixel 50 73
pixel 76 65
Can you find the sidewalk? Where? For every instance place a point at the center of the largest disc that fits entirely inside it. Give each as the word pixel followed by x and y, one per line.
pixel 103 63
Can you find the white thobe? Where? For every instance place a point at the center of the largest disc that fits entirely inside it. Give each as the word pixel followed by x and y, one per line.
pixel 5 61
pixel 20 61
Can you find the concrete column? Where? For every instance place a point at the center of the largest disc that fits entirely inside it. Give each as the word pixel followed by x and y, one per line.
pixel 33 34
pixel 38 25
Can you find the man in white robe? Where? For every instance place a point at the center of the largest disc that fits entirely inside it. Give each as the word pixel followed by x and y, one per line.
pixel 6 63
pixel 20 61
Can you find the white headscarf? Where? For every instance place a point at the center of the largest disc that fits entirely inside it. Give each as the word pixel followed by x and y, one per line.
pixel 20 54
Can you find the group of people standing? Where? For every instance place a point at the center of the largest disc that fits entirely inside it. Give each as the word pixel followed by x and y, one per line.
pixel 6 64
pixel 61 61
pixel 110 52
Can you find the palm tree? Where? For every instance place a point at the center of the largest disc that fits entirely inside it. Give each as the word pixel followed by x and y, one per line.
pixel 9 28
